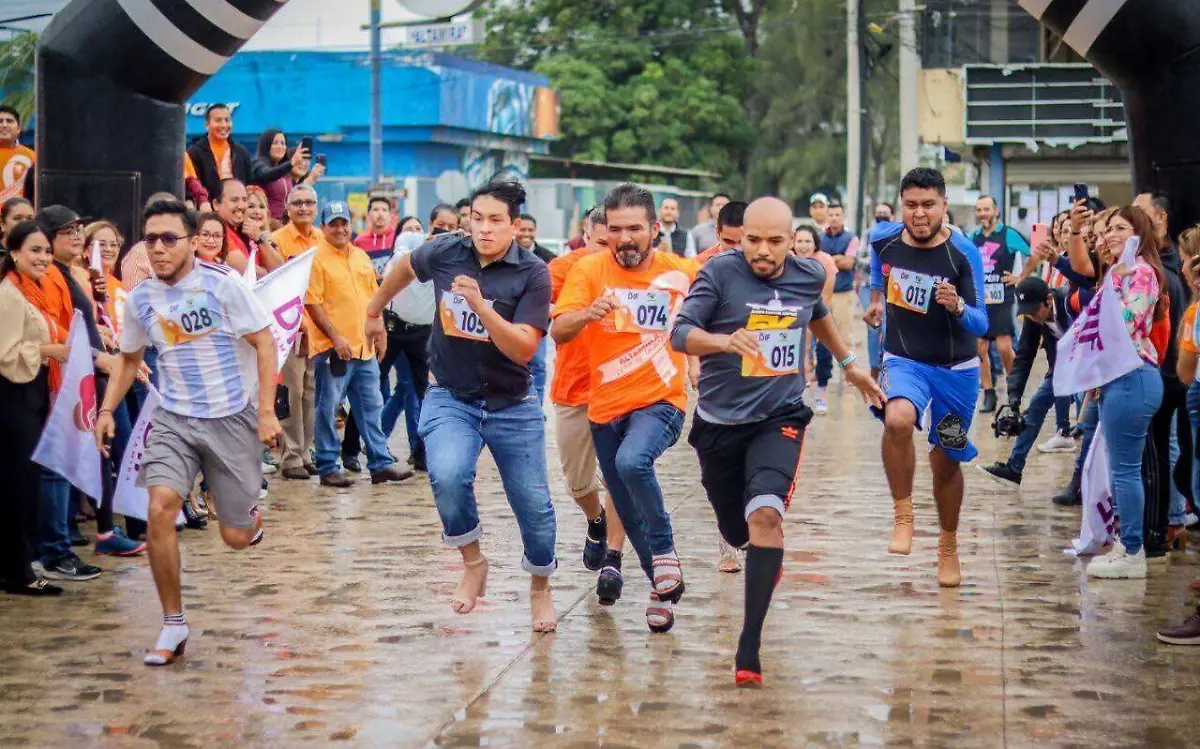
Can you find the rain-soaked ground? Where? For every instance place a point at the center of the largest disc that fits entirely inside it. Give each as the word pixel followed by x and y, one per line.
pixel 336 631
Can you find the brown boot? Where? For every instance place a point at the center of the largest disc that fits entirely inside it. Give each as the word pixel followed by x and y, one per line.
pixel 949 574
pixel 902 533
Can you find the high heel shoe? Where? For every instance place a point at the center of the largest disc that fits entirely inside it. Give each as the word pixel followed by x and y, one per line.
pixel 542 608
pixel 1177 537
pixel 902 531
pixel 165 657
pixel 465 595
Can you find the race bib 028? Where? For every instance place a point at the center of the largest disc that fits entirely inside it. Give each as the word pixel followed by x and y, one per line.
pixel 641 311
pixel 778 354
pixel 910 290
pixel 188 319
pixel 459 320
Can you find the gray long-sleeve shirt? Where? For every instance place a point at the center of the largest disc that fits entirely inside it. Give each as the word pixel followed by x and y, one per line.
pixel 726 296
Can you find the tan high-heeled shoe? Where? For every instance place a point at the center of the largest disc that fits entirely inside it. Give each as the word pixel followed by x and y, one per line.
pixel 466 595
pixel 1177 537
pixel 949 574
pixel 541 605
pixel 902 532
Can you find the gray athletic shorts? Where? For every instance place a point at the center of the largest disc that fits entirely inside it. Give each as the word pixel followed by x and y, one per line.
pixel 227 450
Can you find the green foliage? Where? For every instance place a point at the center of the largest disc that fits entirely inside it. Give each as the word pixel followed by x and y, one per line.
pixel 17 56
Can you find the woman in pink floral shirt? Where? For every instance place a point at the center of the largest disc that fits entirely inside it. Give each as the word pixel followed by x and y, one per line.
pixel 1128 403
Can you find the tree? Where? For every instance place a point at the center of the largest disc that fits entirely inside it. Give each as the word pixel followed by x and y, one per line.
pixel 17 58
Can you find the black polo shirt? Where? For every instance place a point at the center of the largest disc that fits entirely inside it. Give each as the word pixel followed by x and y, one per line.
pixel 519 286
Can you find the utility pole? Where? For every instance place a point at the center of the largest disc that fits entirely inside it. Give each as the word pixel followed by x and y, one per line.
pixel 910 64
pixel 376 94
pixel 854 133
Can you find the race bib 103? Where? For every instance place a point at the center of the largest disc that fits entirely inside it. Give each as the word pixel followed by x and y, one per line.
pixel 993 293
pixel 910 290
pixel 459 320
pixel 778 354
pixel 641 311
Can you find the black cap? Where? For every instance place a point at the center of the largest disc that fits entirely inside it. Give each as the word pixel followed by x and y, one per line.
pixel 54 218
pixel 1032 293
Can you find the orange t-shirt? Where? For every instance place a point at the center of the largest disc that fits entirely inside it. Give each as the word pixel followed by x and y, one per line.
pixel 1187 336
pixel 189 169
pixel 710 253
pixel 14 163
pixel 223 156
pixel 631 362
pixel 572 370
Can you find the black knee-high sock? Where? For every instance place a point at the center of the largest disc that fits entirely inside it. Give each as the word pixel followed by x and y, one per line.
pixel 762 567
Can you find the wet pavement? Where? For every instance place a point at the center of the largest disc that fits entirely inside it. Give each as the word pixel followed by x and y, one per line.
pixel 337 631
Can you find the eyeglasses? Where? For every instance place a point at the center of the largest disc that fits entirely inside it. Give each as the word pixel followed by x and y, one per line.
pixel 304 203
pixel 211 236
pixel 168 239
pixel 74 231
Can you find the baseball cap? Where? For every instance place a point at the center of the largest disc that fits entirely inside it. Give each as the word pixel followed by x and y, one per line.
pixel 1032 293
pixel 335 209
pixel 818 197
pixel 54 218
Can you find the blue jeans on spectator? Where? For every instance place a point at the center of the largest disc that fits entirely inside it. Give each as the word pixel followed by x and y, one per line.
pixel 1178 509
pixel 1062 410
pixel 1193 409
pixel 874 335
pixel 627 448
pixel 1034 416
pixel 54 507
pixel 1089 418
pixel 403 397
pixel 455 432
pixel 361 385
pixel 1126 406
pixel 537 367
pixel 824 364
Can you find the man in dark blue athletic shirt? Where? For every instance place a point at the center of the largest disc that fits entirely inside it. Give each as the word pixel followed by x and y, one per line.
pixel 928 280
pixel 999 245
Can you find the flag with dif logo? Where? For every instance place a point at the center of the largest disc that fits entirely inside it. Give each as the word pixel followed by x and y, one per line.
pixel 68 446
pixel 282 293
pixel 1097 520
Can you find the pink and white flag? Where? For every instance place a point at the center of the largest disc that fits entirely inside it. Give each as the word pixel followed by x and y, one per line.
pixel 1097 348
pixel 1096 527
pixel 68 446
pixel 282 293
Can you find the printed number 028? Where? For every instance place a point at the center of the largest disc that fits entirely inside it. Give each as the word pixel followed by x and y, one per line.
pixel 196 320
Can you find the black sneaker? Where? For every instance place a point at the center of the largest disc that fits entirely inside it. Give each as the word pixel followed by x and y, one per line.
pixel 1071 496
pixel 595 543
pixel 1003 474
pixel 71 567
pixel 1187 633
pixel 351 464
pixel 610 583
pixel 989 401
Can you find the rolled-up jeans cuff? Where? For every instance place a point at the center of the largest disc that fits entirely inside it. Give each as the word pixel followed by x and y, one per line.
pixel 539 571
pixel 469 537
pixel 762 501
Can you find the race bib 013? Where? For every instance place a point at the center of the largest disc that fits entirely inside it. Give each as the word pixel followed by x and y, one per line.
pixel 459 320
pixel 910 290
pixel 641 311
pixel 993 293
pixel 778 354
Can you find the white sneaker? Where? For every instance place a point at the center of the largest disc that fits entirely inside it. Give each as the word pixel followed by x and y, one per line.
pixel 819 406
pixel 268 469
pixel 1118 565
pixel 1059 443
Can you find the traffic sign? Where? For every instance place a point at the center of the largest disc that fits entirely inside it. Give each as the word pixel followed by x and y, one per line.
pixel 450 34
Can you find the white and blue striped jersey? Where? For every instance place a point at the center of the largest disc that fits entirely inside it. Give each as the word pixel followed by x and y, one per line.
pixel 205 368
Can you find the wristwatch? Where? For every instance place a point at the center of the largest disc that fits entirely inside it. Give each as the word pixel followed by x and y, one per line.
pixel 961 308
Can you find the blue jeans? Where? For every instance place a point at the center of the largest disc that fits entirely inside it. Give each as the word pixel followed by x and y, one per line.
pixel 824 364
pixel 1178 509
pixel 1034 416
pixel 874 335
pixel 1126 406
pixel 361 385
pixel 455 432
pixel 1062 410
pixel 403 397
pixel 1089 418
pixel 1193 409
pixel 537 367
pixel 54 507
pixel 626 449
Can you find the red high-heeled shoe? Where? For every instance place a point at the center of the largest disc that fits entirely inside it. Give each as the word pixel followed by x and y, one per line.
pixel 746 678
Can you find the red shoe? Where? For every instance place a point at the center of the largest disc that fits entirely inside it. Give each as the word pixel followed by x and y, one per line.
pixel 745 678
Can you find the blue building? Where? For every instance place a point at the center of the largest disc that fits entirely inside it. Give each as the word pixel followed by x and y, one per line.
pixel 449 123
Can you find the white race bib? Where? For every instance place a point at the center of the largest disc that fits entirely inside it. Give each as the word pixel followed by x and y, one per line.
pixel 910 290
pixel 459 320
pixel 642 311
pixel 188 319
pixel 778 354
pixel 993 293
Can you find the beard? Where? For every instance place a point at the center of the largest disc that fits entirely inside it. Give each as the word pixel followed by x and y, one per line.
pixel 923 234
pixel 765 267
pixel 630 255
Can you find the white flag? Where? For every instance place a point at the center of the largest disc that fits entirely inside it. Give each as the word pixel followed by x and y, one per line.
pixel 251 273
pixel 1097 349
pixel 68 446
pixel 130 499
pixel 282 293
pixel 1096 528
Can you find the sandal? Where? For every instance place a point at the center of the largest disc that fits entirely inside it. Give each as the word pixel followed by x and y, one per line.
pixel 668 577
pixel 466 595
pixel 660 616
pixel 544 618
pixel 730 560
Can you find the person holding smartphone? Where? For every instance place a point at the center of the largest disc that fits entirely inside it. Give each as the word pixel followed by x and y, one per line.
pixel 342 282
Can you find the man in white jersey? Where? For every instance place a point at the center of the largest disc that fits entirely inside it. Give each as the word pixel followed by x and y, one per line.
pixel 214 348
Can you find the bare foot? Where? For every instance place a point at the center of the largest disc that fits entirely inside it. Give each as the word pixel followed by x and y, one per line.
pixel 542 606
pixel 471 587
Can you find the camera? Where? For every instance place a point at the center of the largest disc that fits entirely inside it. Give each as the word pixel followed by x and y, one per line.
pixel 1008 422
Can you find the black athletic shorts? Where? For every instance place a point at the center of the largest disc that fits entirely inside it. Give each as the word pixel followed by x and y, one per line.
pixel 743 464
pixel 1000 321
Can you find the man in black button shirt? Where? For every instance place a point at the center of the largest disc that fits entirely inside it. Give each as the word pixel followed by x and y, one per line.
pixel 493 310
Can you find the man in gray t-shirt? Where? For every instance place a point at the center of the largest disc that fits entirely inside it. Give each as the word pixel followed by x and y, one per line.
pixel 744 316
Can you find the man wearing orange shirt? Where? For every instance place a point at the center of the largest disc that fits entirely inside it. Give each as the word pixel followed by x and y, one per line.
pixel 729 231
pixel 15 159
pixel 569 392
pixel 621 304
pixel 216 157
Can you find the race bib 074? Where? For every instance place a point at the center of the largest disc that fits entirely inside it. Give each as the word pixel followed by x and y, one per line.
pixel 778 354
pixel 459 320
pixel 641 311
pixel 993 293
pixel 910 290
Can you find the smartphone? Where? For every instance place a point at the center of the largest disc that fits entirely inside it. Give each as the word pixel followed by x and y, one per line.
pixel 337 365
pixel 321 159
pixel 1081 192
pixel 306 144
pixel 1039 233
pixel 438 230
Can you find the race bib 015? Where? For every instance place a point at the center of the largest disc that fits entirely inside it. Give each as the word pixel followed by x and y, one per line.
pixel 910 290
pixel 459 320
pixel 778 354
pixel 641 311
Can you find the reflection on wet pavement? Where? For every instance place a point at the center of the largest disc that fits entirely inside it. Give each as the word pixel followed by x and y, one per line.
pixel 337 631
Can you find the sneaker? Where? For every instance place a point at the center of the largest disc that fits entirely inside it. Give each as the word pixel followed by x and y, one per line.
pixel 1004 475
pixel 989 401
pixel 118 545
pixel 821 407
pixel 1076 432
pixel 78 539
pixel 1061 442
pixel 71 567
pixel 1187 633
pixel 610 583
pixel 269 457
pixel 268 469
pixel 1118 564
